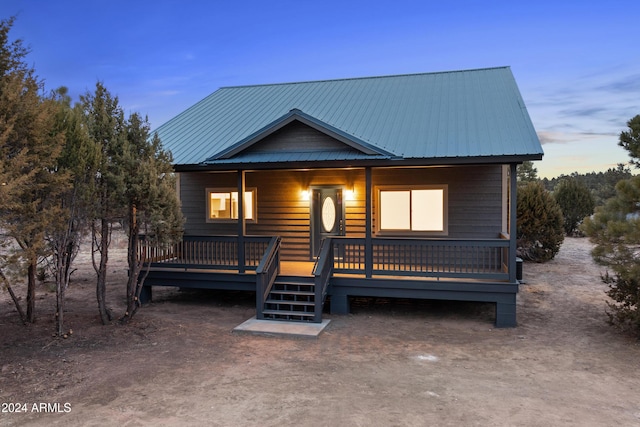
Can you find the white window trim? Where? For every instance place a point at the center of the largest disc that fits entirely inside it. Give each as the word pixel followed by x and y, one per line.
pixel 254 197
pixel 409 232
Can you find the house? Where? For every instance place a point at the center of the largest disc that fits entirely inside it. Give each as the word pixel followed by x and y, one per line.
pixel 394 186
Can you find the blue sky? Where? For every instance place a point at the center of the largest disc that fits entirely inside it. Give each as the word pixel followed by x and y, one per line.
pixel 577 63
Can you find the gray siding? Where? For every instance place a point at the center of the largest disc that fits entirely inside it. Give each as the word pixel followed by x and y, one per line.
pixel 475 195
pixel 474 209
pixel 297 137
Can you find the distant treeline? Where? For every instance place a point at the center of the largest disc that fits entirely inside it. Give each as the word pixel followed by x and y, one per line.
pixel 601 184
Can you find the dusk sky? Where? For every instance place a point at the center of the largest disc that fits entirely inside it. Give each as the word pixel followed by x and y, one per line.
pixel 577 63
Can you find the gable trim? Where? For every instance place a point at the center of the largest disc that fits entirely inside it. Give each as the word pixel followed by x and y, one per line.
pixel 298 115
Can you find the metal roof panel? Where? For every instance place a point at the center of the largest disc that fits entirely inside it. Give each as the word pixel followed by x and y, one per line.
pixel 471 113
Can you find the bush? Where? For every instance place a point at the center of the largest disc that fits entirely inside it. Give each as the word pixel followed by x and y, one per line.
pixel 625 292
pixel 576 202
pixel 540 230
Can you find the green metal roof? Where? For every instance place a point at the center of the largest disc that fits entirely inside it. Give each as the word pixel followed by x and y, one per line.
pixel 471 115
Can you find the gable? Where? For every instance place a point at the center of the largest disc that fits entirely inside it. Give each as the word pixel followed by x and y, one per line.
pixel 312 130
pixel 297 137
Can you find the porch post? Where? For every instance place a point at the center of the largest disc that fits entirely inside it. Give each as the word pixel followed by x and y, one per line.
pixel 368 240
pixel 513 226
pixel 241 222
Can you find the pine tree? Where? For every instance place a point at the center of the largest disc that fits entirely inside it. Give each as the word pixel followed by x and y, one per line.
pixel 151 200
pixel 615 230
pixel 106 128
pixel 527 172
pixel 29 147
pixel 630 140
pixel 540 230
pixel 134 185
pixel 576 202
pixel 77 161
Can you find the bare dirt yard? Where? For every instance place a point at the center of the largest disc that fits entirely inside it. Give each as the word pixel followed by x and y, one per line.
pixel 389 363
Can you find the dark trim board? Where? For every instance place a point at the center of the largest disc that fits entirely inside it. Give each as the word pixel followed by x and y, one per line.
pixel 337 164
pixel 197 280
pixel 503 294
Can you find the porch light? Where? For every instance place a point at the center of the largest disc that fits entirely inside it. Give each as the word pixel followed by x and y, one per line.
pixel 349 194
pixel 305 195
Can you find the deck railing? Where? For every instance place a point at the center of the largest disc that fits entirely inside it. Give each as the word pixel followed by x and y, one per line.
pixel 437 258
pixel 266 274
pixel 210 252
pixel 322 272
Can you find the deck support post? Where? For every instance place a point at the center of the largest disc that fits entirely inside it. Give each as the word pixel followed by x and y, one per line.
pixel 145 295
pixel 506 312
pixel 339 304
pixel 368 242
pixel 241 222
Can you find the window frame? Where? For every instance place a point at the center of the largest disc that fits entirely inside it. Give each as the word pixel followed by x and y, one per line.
pixel 409 232
pixel 230 190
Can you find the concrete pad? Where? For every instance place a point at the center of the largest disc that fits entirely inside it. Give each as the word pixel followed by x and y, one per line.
pixel 281 328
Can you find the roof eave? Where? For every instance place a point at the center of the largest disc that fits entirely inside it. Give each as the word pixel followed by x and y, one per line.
pixel 337 164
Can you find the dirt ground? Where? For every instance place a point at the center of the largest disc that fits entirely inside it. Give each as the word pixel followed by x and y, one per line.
pixel 389 363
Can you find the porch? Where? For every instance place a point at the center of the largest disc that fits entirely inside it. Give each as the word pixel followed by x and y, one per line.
pixel 447 269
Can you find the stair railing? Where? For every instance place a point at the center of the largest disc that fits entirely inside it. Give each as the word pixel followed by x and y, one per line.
pixel 266 274
pixel 322 272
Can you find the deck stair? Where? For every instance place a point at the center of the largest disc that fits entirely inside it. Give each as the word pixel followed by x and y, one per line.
pixel 291 299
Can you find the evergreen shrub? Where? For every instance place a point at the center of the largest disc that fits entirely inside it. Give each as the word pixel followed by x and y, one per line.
pixel 540 230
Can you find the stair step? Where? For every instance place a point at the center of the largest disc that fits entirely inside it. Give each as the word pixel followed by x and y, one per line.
pixel 296 279
pixel 287 302
pixel 292 299
pixel 288 313
pixel 297 293
pixel 294 282
pixel 293 286
pixel 305 292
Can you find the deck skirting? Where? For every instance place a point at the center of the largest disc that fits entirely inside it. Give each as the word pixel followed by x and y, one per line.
pixel 503 294
pixel 342 287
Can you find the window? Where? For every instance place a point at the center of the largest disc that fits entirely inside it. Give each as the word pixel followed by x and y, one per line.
pixel 415 209
pixel 222 204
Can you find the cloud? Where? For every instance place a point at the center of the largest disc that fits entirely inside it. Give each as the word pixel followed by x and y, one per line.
pixel 555 137
pixel 584 111
pixel 624 85
pixel 597 101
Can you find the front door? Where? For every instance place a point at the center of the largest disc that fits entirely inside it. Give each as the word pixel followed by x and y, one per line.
pixel 327 216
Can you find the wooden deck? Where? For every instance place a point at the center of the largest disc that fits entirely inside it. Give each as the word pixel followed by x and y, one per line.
pixel 296 268
pixel 466 270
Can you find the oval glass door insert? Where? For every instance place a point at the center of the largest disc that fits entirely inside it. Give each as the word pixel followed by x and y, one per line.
pixel 328 214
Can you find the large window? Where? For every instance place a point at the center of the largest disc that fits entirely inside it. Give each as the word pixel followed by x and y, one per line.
pixel 413 209
pixel 222 204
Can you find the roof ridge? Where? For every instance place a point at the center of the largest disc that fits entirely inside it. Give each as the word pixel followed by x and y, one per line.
pixel 365 77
